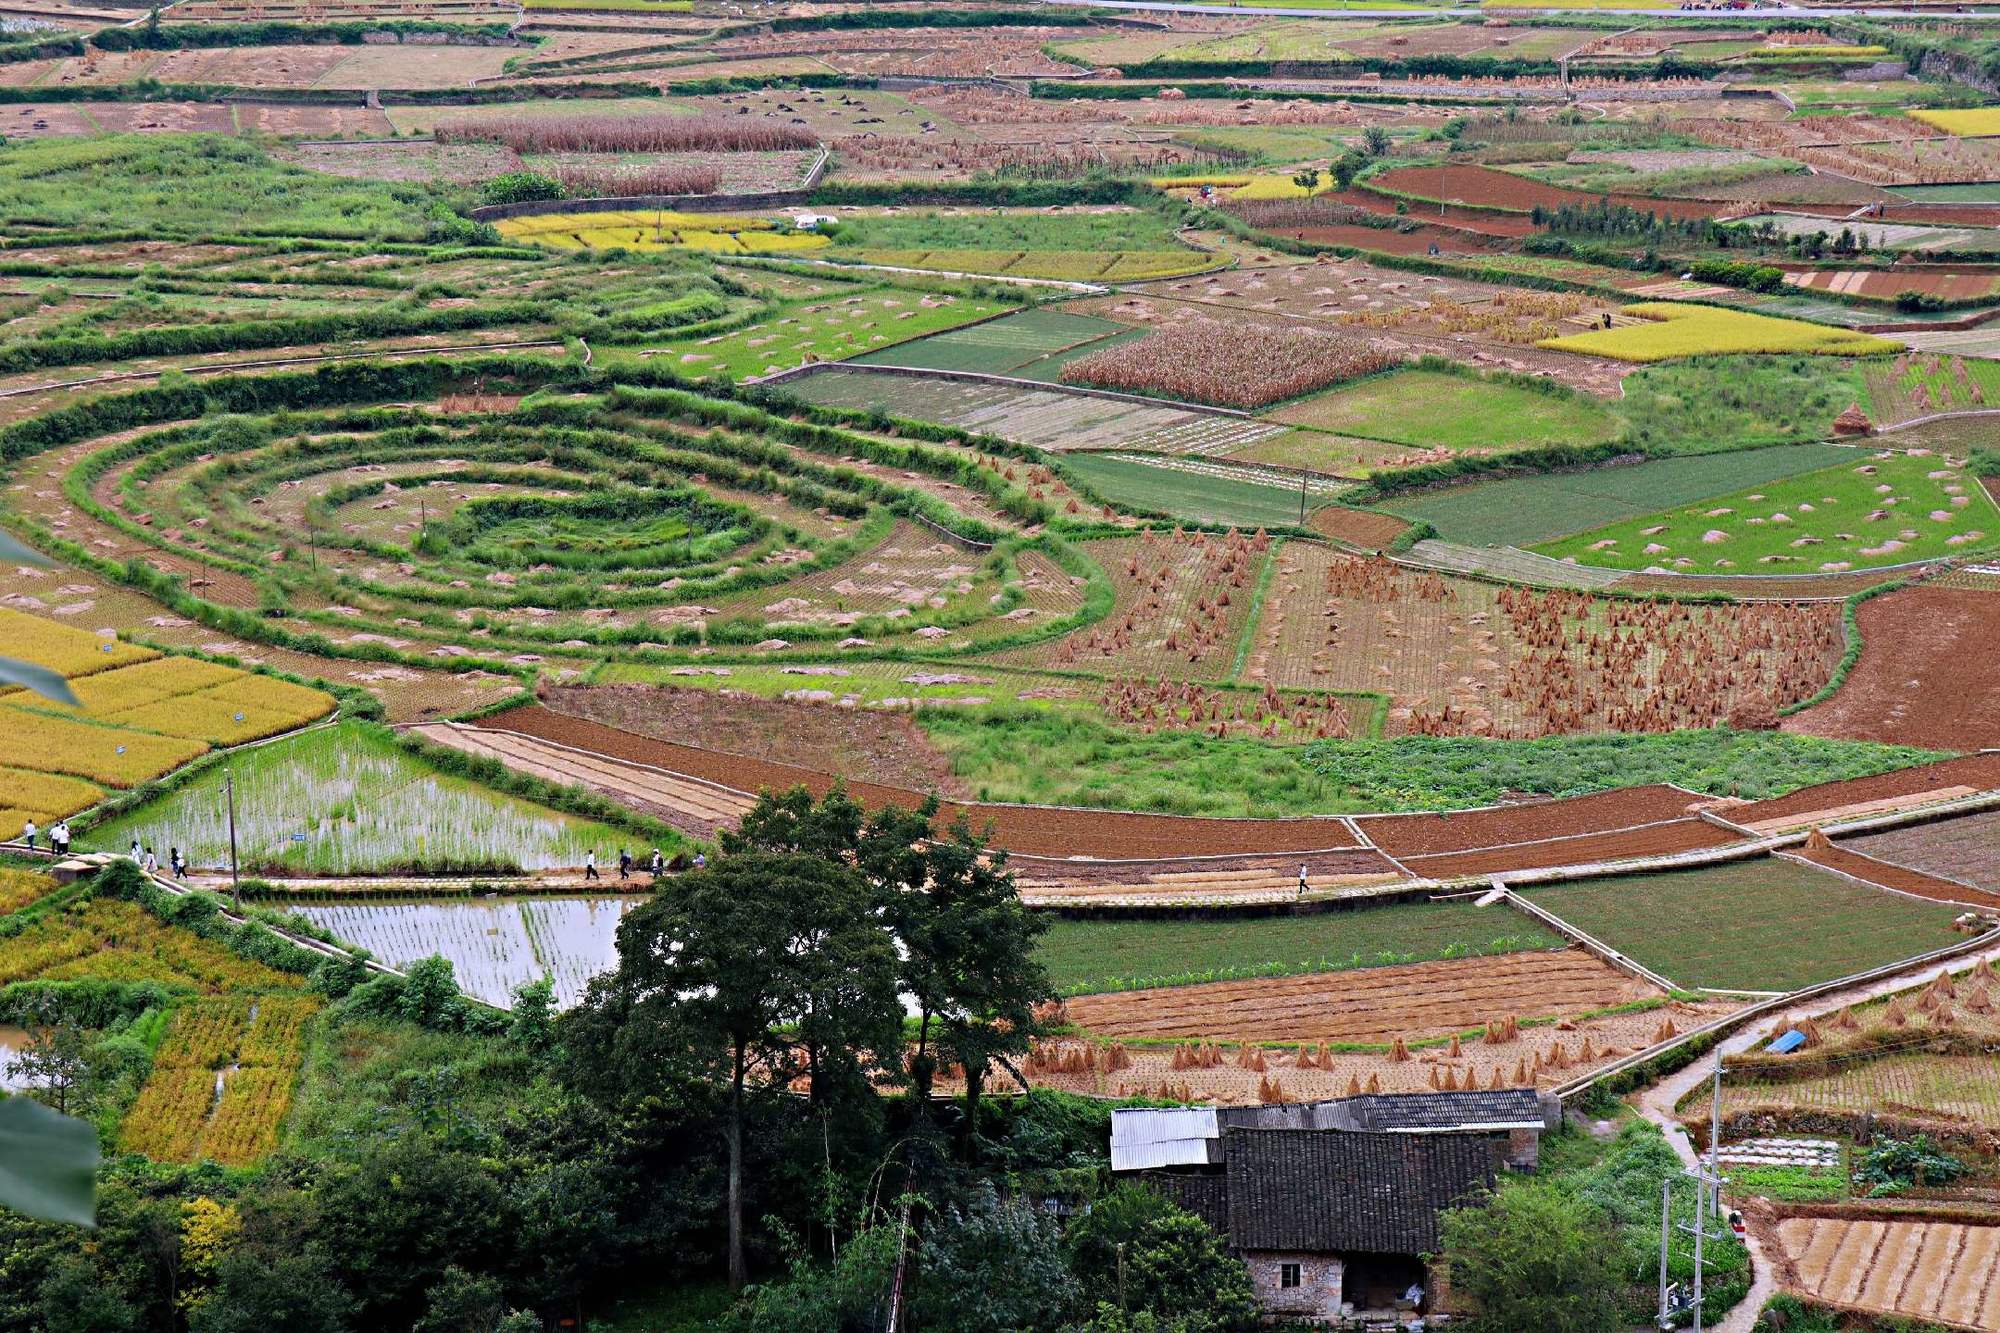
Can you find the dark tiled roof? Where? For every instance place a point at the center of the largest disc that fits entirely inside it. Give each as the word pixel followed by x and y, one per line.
pixel 1206 1196
pixel 1292 1189
pixel 1446 1110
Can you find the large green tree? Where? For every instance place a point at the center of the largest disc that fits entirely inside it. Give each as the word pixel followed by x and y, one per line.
pixel 752 972
pixel 966 943
pixel 1533 1259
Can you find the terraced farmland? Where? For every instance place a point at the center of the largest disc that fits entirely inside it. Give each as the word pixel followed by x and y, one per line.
pixel 1046 418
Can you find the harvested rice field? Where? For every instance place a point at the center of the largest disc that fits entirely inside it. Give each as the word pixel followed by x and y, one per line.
pixel 1464 657
pixel 1372 1005
pixel 1924 677
pixel 1918 1270
pixel 1520 1054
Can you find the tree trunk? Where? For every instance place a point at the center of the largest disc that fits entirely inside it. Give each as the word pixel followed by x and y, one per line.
pixel 973 1078
pixel 920 1063
pixel 739 1270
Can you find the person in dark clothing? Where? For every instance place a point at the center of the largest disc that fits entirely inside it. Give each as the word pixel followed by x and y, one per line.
pixel 176 866
pixel 624 864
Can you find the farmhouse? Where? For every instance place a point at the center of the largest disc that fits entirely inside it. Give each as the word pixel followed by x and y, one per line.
pixel 1334 1205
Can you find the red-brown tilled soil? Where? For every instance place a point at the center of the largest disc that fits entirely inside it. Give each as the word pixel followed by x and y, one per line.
pixel 1966 848
pixel 1668 839
pixel 1419 835
pixel 1928 673
pixel 1974 772
pixel 1375 1004
pixel 1359 527
pixel 862 745
pixel 1031 830
pixel 1901 878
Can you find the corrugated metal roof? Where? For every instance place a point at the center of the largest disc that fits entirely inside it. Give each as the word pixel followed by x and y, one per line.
pixel 1144 1139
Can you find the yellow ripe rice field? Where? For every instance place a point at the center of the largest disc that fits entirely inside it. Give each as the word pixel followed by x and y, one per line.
pixel 110 940
pixel 18 888
pixel 62 649
pixel 1975 121
pixel 1675 330
pixel 41 797
pixel 113 756
pixel 717 233
pixel 222 1080
pixel 139 714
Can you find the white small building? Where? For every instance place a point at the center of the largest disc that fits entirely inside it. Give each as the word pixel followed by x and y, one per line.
pixel 811 221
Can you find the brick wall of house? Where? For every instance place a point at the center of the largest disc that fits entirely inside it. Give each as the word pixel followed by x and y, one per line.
pixel 1318 1294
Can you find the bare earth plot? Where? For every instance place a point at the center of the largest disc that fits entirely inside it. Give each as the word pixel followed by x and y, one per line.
pixel 1966 849
pixel 1927 675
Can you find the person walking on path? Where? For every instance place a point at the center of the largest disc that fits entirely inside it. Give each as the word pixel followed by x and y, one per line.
pixel 659 864
pixel 624 865
pixel 590 866
pixel 700 860
pixel 174 863
pixel 136 853
pixel 59 837
pixel 28 834
pixel 152 862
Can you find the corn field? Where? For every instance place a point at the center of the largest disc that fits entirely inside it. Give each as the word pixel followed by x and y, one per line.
pixel 1228 365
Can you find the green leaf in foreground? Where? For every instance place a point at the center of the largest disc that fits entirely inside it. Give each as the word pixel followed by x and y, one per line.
pixel 41 680
pixel 48 1163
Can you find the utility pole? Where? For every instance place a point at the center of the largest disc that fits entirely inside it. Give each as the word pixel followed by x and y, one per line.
pixel 1302 501
pixel 1666 1229
pixel 235 881
pixel 1715 1133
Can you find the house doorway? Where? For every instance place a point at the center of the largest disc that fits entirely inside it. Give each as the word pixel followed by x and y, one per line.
pixel 1379 1281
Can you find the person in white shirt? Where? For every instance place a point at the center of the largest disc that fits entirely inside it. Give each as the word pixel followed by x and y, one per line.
pixel 28 834
pixel 152 862
pixel 590 865
pixel 137 854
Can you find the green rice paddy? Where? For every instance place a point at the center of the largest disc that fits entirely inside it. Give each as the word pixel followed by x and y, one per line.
pixel 1771 924
pixel 1867 511
pixel 1524 511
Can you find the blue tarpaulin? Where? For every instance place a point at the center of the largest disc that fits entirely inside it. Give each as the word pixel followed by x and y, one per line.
pixel 1788 1043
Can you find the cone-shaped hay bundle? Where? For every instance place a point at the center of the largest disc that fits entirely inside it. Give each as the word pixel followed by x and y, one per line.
pixel 1453 1052
pixel 1522 1078
pixel 1813 1035
pixel 1585 1054
pixel 1259 1063
pixel 1374 1084
pixel 1450 1080
pixel 1119 1058
pixel 1894 1015
pixel 1817 841
pixel 1354 1085
pixel 1304 1059
pixel 1436 1083
pixel 1398 1052
pixel 1325 1057
pixel 1845 1020
pixel 1246 1056
pixel 1496 1083
pixel 1980 1001
pixel 1944 985
pixel 1667 1031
